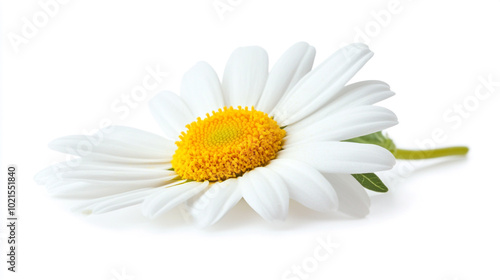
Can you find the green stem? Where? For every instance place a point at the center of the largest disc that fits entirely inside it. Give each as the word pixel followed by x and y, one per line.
pixel 434 153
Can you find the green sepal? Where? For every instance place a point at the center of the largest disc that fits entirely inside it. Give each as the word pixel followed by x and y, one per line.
pixel 376 138
pixel 371 181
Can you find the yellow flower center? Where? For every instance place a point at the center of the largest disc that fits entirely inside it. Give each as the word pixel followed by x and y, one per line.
pixel 227 144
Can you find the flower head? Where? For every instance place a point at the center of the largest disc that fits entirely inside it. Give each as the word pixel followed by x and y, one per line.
pixel 266 137
pixel 226 145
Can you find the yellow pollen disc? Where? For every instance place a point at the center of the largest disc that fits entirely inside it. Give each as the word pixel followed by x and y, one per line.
pixel 227 144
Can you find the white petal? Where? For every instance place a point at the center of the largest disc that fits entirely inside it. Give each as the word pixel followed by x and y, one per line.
pixel 353 198
pixel 90 181
pixel 357 94
pixel 85 189
pixel 288 70
pixel 111 150
pixel 347 124
pixel 341 157
pixel 56 171
pixel 114 202
pixel 245 77
pixel 116 174
pixel 321 84
pixel 119 143
pixel 305 184
pixel 265 192
pixel 134 136
pixel 171 113
pixel 105 158
pixel 362 93
pixel 59 171
pixel 215 202
pixel 201 90
pixel 166 198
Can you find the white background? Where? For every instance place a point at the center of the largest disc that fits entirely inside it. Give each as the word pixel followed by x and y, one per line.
pixel 440 220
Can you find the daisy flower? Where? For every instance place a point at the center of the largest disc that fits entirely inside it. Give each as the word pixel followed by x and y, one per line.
pixel 258 135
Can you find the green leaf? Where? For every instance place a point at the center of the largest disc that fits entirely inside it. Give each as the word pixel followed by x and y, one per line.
pixel 376 138
pixel 370 181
